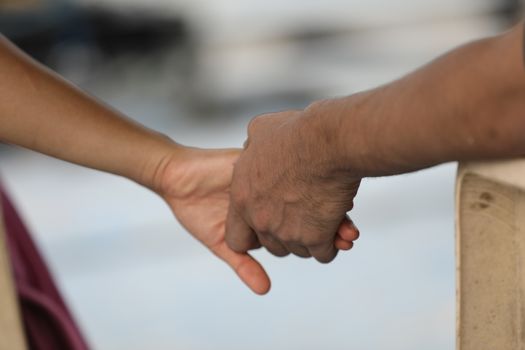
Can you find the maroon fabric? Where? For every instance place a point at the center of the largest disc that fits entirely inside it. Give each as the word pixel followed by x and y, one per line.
pixel 47 321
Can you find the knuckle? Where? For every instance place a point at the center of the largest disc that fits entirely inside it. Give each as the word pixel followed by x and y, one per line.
pixel 315 106
pixel 301 252
pixel 273 245
pixel 313 239
pixel 280 253
pixel 286 237
pixel 261 221
pixel 246 143
pixel 325 259
pixel 239 197
pixel 273 249
pixel 253 124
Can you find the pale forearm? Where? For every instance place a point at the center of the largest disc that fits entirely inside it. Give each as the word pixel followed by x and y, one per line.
pixel 42 112
pixel 466 105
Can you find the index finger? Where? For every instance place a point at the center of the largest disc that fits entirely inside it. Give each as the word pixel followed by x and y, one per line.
pixel 324 253
pixel 239 235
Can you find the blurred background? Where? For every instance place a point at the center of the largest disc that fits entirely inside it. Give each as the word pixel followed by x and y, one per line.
pixel 198 70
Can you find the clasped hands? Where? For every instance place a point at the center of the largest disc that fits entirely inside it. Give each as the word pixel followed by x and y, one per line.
pixel 286 191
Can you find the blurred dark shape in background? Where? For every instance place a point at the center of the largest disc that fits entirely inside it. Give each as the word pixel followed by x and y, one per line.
pixel 40 27
pixel 80 41
pixel 510 10
pixel 219 58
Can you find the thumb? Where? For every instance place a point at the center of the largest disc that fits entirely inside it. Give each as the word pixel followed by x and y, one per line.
pixel 249 270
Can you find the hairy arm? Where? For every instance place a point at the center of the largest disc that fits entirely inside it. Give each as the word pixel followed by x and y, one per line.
pixel 466 105
pixel 523 44
pixel 301 169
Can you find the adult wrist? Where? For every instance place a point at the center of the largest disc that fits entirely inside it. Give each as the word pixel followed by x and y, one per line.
pixel 341 132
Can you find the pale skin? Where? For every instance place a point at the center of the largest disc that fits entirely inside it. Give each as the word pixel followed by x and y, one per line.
pixel 301 170
pixel 42 112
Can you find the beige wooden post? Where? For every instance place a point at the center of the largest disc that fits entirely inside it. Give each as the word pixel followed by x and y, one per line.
pixel 11 333
pixel 490 212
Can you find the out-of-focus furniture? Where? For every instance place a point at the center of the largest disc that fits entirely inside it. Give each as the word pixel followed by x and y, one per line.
pixel 11 333
pixel 490 199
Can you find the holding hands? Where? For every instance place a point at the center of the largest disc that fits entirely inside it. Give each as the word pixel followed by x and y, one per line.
pixel 291 187
pixel 195 183
pixel 196 186
pixel 64 122
pixel 287 194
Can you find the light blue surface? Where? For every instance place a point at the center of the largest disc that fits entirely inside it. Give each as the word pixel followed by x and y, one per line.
pixel 137 281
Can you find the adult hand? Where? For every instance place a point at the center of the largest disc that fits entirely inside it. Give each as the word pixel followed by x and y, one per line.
pixel 196 184
pixel 288 192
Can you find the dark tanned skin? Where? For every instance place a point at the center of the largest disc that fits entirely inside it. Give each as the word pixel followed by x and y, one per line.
pixel 300 171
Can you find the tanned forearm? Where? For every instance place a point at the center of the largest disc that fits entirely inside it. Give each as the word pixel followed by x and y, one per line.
pixel 467 105
pixel 42 112
pixel 300 170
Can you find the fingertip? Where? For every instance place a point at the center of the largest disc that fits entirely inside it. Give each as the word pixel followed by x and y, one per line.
pixel 324 252
pixel 326 260
pixel 341 244
pixel 273 246
pixel 261 287
pixel 254 276
pixel 348 231
pixel 249 270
